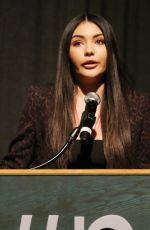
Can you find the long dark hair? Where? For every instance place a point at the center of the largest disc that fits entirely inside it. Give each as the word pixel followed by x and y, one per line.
pixel 114 113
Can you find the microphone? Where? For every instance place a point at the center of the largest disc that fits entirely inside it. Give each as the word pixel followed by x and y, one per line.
pixel 88 118
pixel 85 128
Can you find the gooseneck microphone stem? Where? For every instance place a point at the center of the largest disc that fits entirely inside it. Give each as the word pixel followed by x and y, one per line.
pixel 73 135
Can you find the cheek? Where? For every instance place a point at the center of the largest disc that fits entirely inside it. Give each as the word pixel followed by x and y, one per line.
pixel 74 58
pixel 104 57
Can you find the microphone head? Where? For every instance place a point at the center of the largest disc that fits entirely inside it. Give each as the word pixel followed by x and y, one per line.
pixel 92 96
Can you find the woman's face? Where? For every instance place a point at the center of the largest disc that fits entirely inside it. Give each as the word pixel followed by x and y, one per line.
pixel 88 52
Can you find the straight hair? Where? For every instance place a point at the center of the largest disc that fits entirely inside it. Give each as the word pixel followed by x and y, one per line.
pixel 115 100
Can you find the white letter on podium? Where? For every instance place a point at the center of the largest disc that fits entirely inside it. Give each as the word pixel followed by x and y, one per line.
pixel 110 221
pixel 79 223
pixel 52 222
pixel 25 222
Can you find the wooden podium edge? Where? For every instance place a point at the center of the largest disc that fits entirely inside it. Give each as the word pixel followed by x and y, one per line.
pixel 44 172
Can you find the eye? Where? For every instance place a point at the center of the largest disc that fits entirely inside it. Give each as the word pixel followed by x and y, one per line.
pixel 77 43
pixel 100 41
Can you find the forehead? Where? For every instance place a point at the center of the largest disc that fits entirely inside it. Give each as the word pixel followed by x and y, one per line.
pixel 86 28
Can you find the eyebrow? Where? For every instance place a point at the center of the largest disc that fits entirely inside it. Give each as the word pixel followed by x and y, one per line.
pixel 82 36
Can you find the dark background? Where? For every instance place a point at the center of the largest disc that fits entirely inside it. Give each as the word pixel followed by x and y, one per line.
pixel 30 31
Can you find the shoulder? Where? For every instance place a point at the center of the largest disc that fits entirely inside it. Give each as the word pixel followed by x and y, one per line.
pixel 140 99
pixel 39 98
pixel 140 96
pixel 139 106
pixel 41 91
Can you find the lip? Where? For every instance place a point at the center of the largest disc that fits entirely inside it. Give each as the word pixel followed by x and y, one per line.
pixel 90 64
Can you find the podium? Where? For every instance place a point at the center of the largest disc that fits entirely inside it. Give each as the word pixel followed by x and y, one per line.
pixel 74 199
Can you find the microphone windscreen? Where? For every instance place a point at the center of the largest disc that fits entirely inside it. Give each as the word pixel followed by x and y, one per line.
pixel 92 96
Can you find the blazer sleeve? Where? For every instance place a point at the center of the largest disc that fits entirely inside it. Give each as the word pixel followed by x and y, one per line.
pixel 144 142
pixel 21 149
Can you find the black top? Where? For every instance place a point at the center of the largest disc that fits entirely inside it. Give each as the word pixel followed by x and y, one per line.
pixel 87 155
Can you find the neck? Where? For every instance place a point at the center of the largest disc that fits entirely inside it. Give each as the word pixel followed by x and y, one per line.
pixel 82 88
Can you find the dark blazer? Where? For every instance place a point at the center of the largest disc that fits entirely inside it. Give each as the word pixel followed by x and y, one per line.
pixel 31 147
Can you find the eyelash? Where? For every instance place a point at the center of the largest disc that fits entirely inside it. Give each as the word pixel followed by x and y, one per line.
pixel 100 41
pixel 77 43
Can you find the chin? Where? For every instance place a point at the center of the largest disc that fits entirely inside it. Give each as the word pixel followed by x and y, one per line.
pixel 92 76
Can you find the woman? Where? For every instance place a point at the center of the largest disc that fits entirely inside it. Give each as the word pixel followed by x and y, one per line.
pixel 88 61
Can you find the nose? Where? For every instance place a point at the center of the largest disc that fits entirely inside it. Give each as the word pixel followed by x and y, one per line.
pixel 89 50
